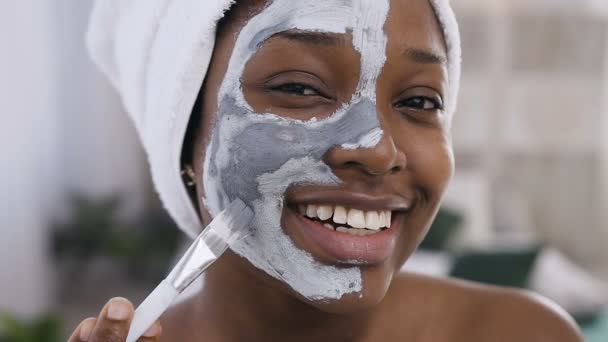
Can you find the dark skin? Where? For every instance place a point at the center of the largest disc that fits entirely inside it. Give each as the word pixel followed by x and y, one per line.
pixel 301 77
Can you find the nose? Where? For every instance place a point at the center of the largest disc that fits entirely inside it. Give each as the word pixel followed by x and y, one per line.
pixel 382 159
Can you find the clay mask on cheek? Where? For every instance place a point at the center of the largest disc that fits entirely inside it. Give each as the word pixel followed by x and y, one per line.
pixel 257 156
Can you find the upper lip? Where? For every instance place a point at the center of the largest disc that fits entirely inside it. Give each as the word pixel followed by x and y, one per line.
pixel 349 199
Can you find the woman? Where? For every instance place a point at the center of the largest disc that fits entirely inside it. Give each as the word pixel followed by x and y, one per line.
pixel 330 119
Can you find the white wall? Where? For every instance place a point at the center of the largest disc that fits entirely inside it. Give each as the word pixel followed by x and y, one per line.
pixel 62 129
pixel 102 154
pixel 26 142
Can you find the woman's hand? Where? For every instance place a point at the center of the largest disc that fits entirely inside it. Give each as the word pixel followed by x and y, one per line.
pixel 112 325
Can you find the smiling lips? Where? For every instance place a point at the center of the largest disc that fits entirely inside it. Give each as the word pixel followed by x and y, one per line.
pixel 344 220
pixel 345 235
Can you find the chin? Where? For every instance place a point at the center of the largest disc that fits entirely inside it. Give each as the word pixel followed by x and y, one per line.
pixel 376 282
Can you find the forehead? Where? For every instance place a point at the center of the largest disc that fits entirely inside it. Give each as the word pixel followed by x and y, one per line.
pixel 408 24
pixel 414 23
pixel 329 16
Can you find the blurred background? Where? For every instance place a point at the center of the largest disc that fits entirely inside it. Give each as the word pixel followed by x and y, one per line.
pixel 80 222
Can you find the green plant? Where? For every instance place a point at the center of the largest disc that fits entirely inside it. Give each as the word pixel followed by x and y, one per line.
pixel 143 248
pixel 46 328
pixel 93 229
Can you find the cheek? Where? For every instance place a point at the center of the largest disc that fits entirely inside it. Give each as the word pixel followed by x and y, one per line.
pixel 444 169
pixel 431 160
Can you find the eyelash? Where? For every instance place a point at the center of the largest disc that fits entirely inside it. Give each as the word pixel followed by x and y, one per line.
pixel 436 104
pixel 298 89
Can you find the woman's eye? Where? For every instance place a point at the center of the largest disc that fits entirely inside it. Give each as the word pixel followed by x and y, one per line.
pixel 296 89
pixel 420 103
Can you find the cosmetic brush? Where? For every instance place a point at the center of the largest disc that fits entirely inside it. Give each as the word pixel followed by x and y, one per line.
pixel 227 227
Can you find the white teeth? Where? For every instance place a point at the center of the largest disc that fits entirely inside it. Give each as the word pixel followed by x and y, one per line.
pixel 342 229
pixel 325 212
pixel 365 232
pixel 340 215
pixel 356 218
pixel 382 218
pixel 372 221
pixel 356 231
pixel 311 211
pixel 328 226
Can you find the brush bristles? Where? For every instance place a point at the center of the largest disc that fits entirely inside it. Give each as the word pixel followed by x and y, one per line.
pixel 228 227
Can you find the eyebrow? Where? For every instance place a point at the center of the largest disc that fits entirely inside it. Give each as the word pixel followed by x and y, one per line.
pixel 423 56
pixel 311 37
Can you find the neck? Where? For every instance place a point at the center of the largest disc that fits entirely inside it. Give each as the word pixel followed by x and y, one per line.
pixel 242 303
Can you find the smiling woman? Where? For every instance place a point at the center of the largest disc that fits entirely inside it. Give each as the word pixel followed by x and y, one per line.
pixel 331 120
pixel 288 148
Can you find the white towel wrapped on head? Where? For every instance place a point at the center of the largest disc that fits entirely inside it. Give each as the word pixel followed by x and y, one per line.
pixel 156 54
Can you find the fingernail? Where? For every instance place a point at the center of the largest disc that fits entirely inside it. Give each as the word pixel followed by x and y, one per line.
pixel 86 329
pixel 119 309
pixel 153 331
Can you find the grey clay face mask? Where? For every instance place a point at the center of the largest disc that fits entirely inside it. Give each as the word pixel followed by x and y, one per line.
pixel 257 156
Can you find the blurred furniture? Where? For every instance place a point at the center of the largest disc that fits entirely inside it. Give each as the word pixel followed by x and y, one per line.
pixel 597 331
pixel 533 120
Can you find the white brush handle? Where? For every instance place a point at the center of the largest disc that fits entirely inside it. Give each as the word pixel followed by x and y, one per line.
pixel 150 309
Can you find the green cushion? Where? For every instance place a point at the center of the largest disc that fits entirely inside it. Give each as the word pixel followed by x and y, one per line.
pixel 597 331
pixel 446 225
pixel 504 268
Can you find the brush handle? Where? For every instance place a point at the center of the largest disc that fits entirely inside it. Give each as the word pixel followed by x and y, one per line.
pixel 151 309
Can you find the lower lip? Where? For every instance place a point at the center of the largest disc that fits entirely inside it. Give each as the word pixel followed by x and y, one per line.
pixel 346 248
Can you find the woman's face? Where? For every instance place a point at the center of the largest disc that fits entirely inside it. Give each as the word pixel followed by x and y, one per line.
pixel 327 119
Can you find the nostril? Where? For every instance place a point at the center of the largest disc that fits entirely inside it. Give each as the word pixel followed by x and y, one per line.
pixel 382 159
pixel 371 170
pixel 351 164
pixel 396 168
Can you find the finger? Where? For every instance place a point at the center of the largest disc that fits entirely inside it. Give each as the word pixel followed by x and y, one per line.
pixel 152 334
pixel 113 321
pixel 83 330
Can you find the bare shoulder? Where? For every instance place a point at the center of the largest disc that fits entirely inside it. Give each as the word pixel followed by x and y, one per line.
pixel 536 318
pixel 477 312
